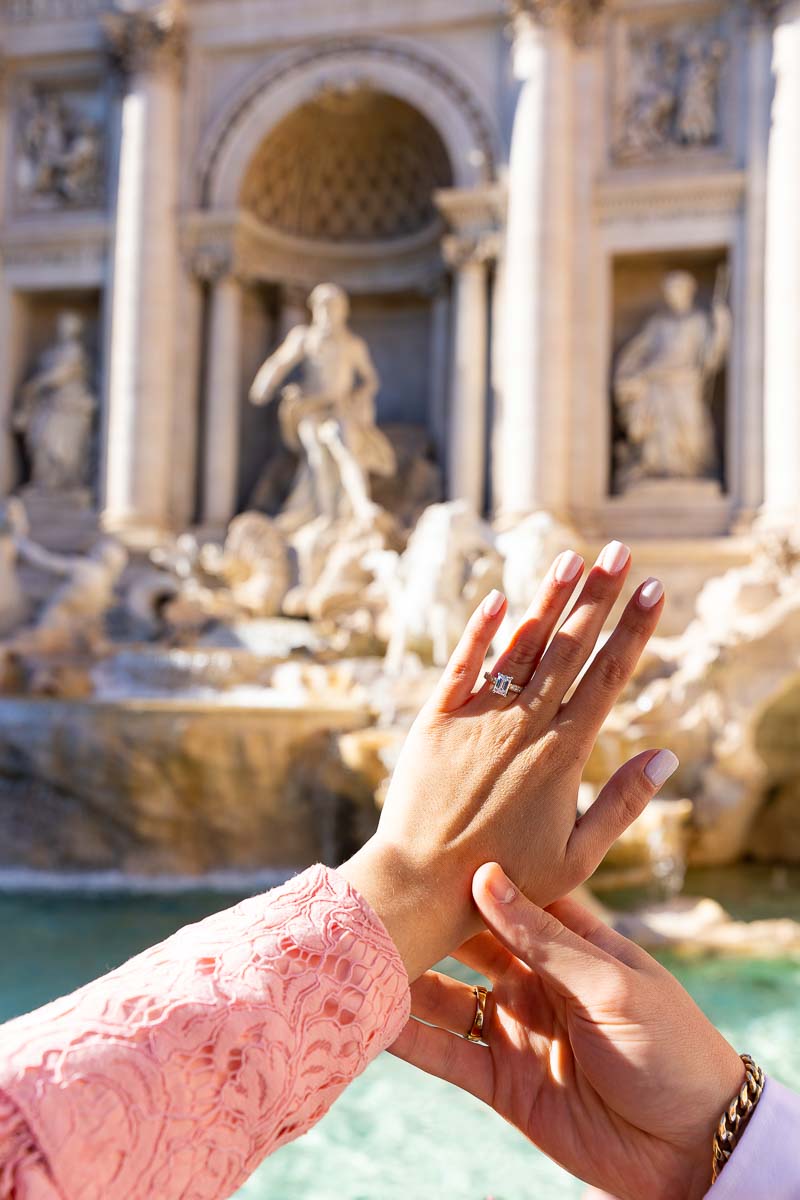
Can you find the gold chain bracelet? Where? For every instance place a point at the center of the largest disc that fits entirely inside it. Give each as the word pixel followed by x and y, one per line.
pixel 734 1120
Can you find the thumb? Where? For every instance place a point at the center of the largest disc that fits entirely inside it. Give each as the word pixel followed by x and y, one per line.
pixel 566 960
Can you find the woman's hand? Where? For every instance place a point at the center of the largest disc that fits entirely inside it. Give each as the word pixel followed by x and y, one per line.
pixel 484 777
pixel 594 1051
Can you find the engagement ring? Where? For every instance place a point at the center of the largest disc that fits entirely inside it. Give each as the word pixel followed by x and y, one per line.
pixel 501 684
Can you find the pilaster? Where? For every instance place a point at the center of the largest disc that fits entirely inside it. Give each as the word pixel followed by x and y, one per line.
pixel 146 46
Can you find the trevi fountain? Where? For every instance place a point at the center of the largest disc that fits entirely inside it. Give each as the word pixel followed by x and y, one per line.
pixel 317 326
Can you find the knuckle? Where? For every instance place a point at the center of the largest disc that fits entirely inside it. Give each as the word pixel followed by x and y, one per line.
pixel 525 645
pixel 544 926
pixel 568 651
pixel 631 802
pixel 460 670
pixel 637 624
pixel 613 672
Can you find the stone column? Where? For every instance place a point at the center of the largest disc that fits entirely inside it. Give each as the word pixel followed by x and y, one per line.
pixel 782 279
pixel 223 397
pixel 532 426
pixel 438 373
pixel 8 463
pixel 147 47
pixel 466 442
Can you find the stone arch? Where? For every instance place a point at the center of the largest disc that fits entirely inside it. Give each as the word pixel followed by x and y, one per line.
pixel 395 68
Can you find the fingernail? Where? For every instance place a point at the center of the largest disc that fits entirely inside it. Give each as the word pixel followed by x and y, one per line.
pixel 661 766
pixel 614 557
pixel 650 593
pixel 493 603
pixel 500 886
pixel 568 566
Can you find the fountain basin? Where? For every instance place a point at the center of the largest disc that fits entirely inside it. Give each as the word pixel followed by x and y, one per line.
pixel 177 786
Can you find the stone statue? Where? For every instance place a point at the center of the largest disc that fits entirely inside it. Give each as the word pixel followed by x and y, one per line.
pixel 72 620
pixel 697 119
pixel 450 563
pixel 662 382
pixel 253 565
pixel 60 160
pixel 329 417
pixel 56 410
pixel 13 606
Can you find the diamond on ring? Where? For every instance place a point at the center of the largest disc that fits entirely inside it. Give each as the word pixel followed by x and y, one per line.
pixel 501 684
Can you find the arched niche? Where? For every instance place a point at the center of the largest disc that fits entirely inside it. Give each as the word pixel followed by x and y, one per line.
pixel 396 69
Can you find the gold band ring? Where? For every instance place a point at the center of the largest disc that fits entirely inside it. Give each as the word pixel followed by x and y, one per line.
pixel 476 1031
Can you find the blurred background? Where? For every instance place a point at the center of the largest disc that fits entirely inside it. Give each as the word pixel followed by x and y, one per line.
pixel 317 322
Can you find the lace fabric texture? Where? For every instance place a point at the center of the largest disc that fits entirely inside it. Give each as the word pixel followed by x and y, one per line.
pixel 176 1074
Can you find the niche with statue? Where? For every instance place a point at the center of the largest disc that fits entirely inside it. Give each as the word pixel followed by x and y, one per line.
pixel 672 328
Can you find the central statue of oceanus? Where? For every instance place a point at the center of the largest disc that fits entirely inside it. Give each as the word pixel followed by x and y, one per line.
pixel 329 416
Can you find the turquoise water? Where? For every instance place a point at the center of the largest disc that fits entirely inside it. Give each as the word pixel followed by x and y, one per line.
pixel 395 1133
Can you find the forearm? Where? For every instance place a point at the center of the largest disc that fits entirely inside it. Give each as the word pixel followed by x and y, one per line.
pixel 204 1054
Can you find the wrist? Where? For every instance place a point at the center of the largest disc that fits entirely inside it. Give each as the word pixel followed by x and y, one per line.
pixel 729 1077
pixel 427 913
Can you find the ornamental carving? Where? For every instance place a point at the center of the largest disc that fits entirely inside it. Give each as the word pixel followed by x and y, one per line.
pixel 145 41
pixel 575 15
pixel 673 91
pixel 60 149
pixel 351 165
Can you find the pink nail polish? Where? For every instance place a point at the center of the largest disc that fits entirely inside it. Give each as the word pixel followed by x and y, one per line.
pixel 493 603
pixel 650 593
pixel 568 566
pixel 614 558
pixel 661 766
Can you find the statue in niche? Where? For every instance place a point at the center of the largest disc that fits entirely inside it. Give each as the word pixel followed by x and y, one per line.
pixel 662 385
pixel 60 160
pixel 55 412
pixel 329 417
pixel 697 118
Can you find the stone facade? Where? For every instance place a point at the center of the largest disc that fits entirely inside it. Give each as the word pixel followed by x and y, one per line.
pixel 500 186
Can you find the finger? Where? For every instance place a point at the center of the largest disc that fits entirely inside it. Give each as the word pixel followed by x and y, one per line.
pixel 461 673
pixel 528 644
pixel 466 1064
pixel 583 922
pixel 444 1002
pixel 609 674
pixel 619 803
pixel 572 646
pixel 572 965
pixel 483 953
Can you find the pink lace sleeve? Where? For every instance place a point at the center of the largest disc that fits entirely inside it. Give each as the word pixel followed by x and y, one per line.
pixel 175 1075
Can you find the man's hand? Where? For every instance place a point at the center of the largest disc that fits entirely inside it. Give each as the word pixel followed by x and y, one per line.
pixel 593 1050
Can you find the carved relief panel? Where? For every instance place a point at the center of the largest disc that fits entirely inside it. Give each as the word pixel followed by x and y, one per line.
pixel 59 146
pixel 672 74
